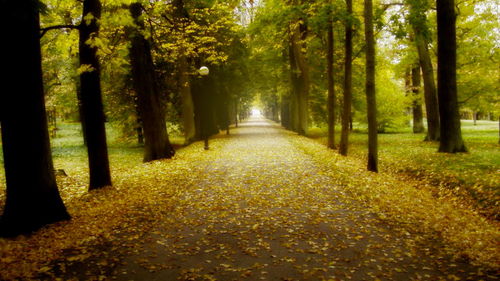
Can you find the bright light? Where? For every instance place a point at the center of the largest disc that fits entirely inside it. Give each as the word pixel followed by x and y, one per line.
pixel 256 112
pixel 203 71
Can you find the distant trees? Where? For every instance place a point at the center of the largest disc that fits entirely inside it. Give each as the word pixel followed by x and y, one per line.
pixel 410 22
pixel 32 195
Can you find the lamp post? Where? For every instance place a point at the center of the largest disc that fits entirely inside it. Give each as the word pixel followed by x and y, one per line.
pixel 203 71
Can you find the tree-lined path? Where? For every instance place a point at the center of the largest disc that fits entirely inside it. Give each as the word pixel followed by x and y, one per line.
pixel 256 206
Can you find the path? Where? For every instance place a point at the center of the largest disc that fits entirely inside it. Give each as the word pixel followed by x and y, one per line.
pixel 261 209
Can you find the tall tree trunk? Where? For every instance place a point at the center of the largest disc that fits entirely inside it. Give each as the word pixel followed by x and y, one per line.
pixel 76 79
pixel 156 144
pixel 302 75
pixel 346 112
pixel 187 100
pixel 418 122
pixel 236 111
pixel 331 87
pixel 285 111
pixel 92 107
pixel 370 88
pixel 431 100
pixel 451 134
pixel 294 91
pixel 32 195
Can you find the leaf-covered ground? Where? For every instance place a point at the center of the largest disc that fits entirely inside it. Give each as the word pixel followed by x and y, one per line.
pixel 261 204
pixel 474 177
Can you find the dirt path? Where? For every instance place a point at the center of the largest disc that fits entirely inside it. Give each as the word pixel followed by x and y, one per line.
pixel 258 208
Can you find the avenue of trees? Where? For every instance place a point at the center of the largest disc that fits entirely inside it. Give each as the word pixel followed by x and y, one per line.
pixel 306 63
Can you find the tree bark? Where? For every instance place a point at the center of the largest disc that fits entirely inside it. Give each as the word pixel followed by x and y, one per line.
pixel 156 142
pixel 451 134
pixel 418 122
pixel 92 107
pixel 294 91
pixel 285 111
pixel 33 198
pixel 370 88
pixel 331 86
pixel 346 112
pixel 302 75
pixel 431 101
pixel 187 100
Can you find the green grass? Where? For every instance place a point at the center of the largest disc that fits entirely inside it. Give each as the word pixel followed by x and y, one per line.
pixel 474 176
pixel 70 154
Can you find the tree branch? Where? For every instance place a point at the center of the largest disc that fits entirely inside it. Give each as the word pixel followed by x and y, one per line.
pixel 59 26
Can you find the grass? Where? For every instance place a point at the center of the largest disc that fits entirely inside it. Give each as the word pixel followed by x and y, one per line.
pixel 473 177
pixel 69 154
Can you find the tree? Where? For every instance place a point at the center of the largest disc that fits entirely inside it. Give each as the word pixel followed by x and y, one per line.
pixel 418 21
pixel 151 110
pixel 181 17
pixel 451 135
pixel 33 198
pixel 370 87
pixel 418 123
pixel 346 112
pixel 91 96
pixel 331 85
pixel 300 73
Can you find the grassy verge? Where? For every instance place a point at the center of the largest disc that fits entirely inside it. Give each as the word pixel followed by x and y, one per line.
pixel 473 177
pixel 69 154
pixel 412 204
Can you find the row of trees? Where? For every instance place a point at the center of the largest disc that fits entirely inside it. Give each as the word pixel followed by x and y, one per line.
pixel 131 56
pixel 319 44
pixel 135 63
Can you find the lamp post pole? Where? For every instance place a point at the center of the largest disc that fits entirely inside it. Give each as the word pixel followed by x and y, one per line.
pixel 204 71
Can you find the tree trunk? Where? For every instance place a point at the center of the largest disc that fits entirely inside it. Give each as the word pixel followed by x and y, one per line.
pixel 185 90
pixel 331 87
pixel 431 101
pixel 92 107
pixel 370 88
pixel 156 144
pixel 187 101
pixel 236 111
pixel 79 100
pixel 346 112
pixel 138 128
pixel 294 91
pixel 276 111
pixel 302 77
pixel 451 134
pixel 418 122
pixel 285 111
pixel 32 195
